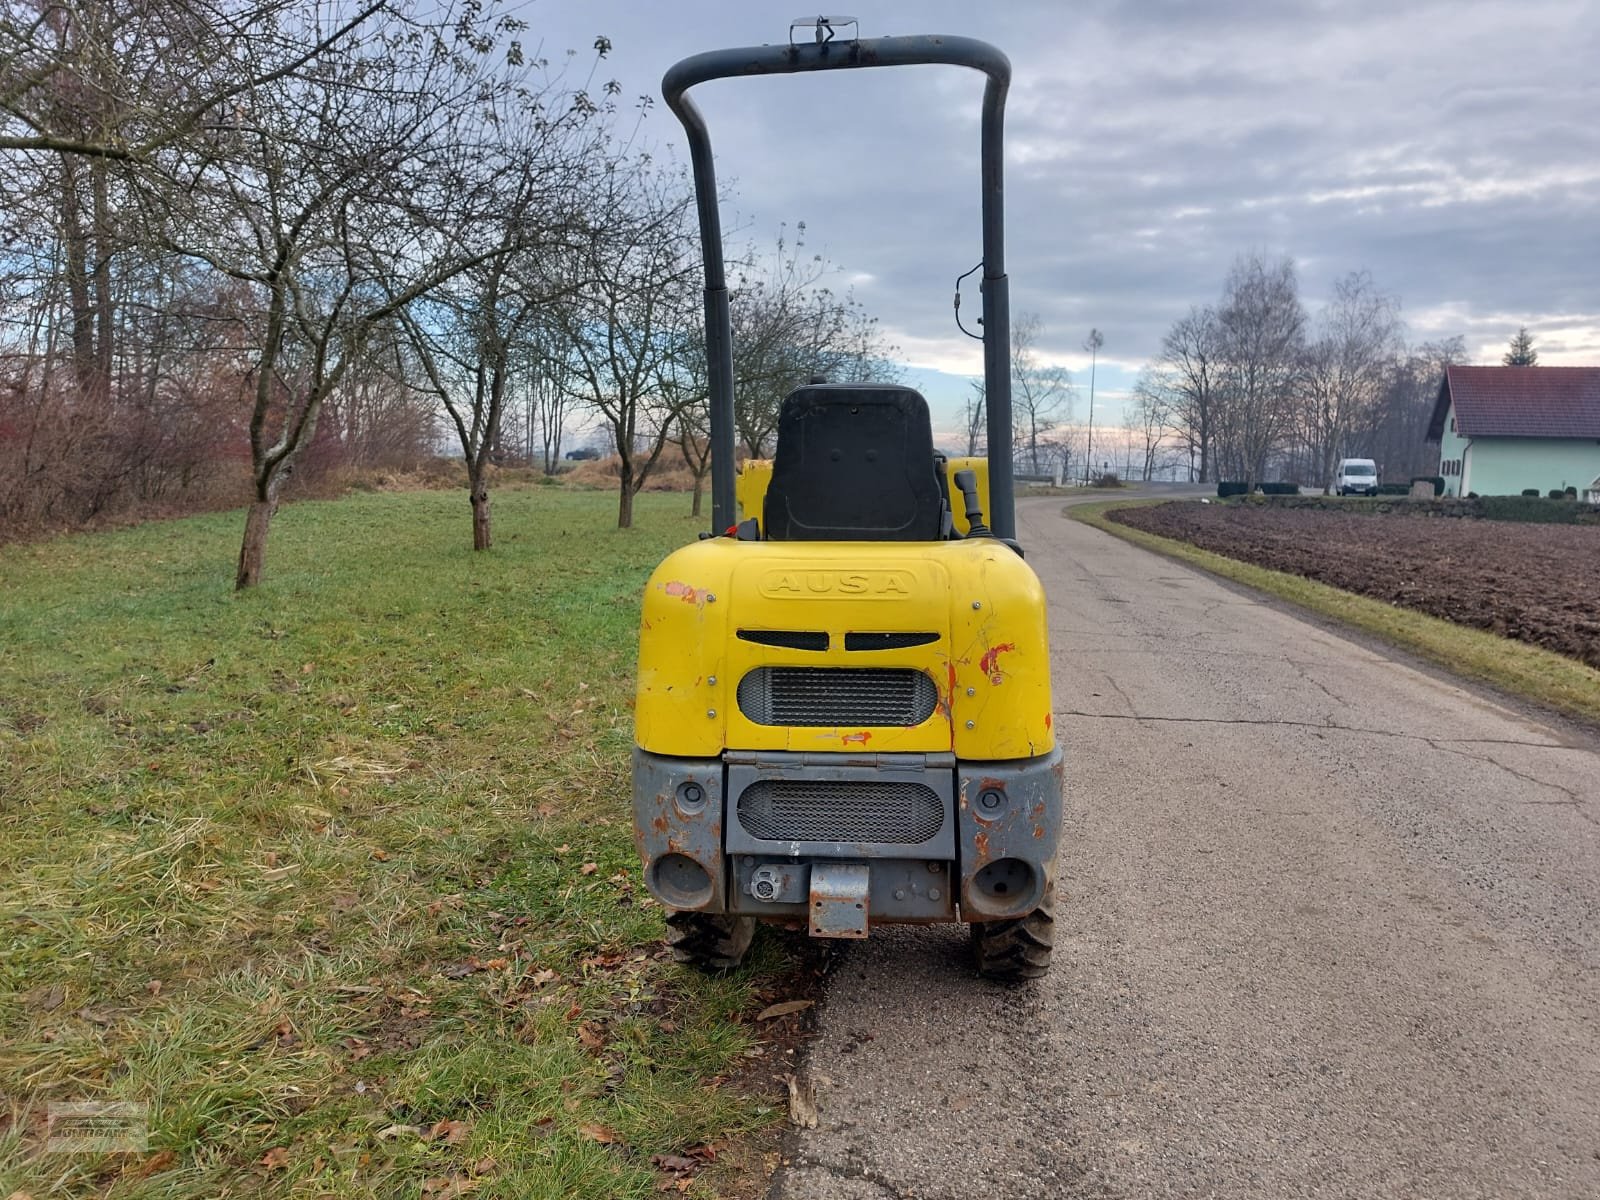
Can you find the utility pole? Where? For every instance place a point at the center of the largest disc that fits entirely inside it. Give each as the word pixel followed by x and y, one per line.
pixel 1092 345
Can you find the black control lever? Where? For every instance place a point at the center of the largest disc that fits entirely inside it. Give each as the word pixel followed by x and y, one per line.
pixel 967 481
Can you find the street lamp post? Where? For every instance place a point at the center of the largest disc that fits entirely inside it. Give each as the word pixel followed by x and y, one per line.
pixel 1092 345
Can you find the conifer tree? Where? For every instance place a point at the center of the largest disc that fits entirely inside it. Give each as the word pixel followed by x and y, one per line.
pixel 1521 352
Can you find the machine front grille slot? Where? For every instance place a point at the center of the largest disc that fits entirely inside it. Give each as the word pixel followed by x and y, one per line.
pixel 887 641
pixel 837 696
pixel 788 639
pixel 790 810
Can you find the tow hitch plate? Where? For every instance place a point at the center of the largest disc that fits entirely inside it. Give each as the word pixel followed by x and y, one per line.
pixel 839 900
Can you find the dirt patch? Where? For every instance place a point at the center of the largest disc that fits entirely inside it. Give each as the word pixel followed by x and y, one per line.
pixel 1534 583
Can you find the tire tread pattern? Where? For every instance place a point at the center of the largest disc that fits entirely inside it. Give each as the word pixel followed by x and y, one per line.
pixel 709 941
pixel 1018 949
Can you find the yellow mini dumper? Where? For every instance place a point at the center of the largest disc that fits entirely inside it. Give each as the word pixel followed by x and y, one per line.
pixel 843 714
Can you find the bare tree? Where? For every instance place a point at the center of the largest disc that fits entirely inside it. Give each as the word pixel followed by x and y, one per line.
pixel 1149 416
pixel 619 326
pixel 138 79
pixel 473 332
pixel 975 418
pixel 1041 396
pixel 789 326
pixel 1347 368
pixel 683 379
pixel 1261 326
pixel 1397 437
pixel 1191 365
pixel 302 197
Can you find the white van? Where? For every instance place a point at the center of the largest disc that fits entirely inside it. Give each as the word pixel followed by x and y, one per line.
pixel 1356 475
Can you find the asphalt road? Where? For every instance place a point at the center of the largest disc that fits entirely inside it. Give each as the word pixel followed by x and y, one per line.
pixel 1330 926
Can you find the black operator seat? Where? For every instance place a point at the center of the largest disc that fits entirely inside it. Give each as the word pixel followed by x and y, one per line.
pixel 854 462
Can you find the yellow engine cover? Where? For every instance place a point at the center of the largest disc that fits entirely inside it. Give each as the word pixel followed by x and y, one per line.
pixel 989 658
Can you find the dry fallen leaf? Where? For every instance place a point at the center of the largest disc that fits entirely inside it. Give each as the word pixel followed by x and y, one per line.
pixel 543 976
pixel 452 1185
pixel 381 855
pixel 598 1133
pixel 802 1103
pixel 589 868
pixel 590 1037
pixel 276 1159
pixel 674 1162
pixel 496 964
pixel 155 1164
pixel 783 1010
pixel 453 1132
pixel 153 987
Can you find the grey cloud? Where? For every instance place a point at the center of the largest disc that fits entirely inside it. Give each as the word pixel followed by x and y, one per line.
pixel 1452 150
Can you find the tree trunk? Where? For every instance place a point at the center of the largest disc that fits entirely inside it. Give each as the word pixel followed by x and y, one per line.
pixel 253 552
pixel 481 539
pixel 699 489
pixel 625 497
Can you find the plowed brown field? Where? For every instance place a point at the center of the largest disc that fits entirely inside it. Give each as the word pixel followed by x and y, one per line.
pixel 1535 583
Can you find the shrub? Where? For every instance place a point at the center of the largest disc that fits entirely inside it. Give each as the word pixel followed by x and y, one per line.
pixel 1106 479
pixel 1530 492
pixel 1571 493
pixel 1472 495
pixel 1280 489
pixel 1394 489
pixel 1533 509
pixel 1557 494
pixel 1232 487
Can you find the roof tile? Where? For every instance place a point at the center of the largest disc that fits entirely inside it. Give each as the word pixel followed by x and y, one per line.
pixel 1542 402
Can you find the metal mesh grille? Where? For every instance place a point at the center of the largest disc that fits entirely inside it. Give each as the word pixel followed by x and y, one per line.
pixel 837 696
pixel 840 811
pixel 887 641
pixel 789 639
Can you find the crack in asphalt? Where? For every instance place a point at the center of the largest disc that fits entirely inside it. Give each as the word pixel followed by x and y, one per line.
pixel 1303 669
pixel 855 1171
pixel 1572 799
pixel 1122 695
pixel 1438 743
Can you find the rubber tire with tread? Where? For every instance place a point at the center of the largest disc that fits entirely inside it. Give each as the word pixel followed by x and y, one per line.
pixel 1017 949
pixel 709 941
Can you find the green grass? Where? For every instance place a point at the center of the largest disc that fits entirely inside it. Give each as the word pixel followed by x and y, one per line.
pixel 337 876
pixel 1522 670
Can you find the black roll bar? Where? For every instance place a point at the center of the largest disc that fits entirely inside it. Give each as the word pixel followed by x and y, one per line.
pixel 837 55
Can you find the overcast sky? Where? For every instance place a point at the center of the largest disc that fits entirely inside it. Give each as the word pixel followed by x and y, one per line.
pixel 1452 150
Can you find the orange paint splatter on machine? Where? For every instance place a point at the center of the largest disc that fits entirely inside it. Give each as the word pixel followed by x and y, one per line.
pixel 989 664
pixel 856 739
pixel 683 591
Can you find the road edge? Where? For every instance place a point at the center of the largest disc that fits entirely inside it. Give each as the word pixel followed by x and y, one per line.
pixel 1527 672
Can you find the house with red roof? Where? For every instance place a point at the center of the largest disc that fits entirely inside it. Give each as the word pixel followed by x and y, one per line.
pixel 1502 430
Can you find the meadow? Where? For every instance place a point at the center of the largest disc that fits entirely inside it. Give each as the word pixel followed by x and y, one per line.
pixel 336 877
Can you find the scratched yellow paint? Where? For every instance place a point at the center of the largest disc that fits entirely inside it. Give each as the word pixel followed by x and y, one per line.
pixel 990 664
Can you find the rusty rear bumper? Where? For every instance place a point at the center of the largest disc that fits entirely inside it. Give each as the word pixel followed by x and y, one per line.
pixel 990 857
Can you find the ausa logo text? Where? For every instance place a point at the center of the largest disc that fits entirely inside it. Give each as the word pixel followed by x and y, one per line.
pixel 838 585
